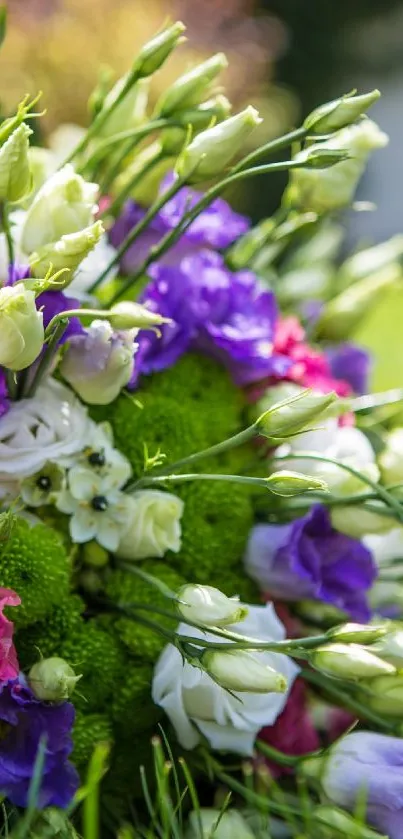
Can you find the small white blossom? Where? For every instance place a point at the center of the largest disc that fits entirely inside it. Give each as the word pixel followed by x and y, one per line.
pixel 97 507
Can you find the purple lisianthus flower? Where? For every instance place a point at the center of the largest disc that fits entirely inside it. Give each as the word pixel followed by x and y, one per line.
pixel 53 303
pixel 364 766
pixel 352 364
pixel 4 402
pixel 227 315
pixel 17 272
pixel 216 227
pixel 309 559
pixel 28 721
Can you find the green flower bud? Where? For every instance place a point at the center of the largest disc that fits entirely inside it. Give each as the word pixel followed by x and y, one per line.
pixel 212 150
pixel 191 88
pixel 287 483
pixel 21 327
pixel 68 252
pixel 322 158
pixel 349 661
pixel 130 112
pixel 334 824
pixel 52 679
pixel 386 695
pixel 153 54
pixel 340 112
pixel 94 555
pixel 15 174
pixel 208 606
pixel 341 316
pixel 357 632
pixel 130 315
pixel 294 414
pixel 390 646
pixel 242 671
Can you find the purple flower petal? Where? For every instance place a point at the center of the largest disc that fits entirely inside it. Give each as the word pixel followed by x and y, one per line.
pixel 352 364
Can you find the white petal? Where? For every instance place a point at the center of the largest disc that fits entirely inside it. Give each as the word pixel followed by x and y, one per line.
pixel 84 484
pixel 83 526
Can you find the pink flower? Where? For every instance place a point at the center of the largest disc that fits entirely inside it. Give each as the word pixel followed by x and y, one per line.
pixel 293 733
pixel 8 657
pixel 310 368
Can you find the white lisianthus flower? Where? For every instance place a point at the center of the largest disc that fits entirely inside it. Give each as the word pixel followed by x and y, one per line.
pixel 21 327
pixel 52 425
pixel 198 707
pixel 64 204
pixel 153 525
pixel 97 507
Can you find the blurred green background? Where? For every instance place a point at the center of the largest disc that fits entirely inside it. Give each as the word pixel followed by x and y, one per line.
pixel 286 56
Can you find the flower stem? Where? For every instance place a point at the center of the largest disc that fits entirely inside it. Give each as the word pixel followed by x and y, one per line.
pixel 47 358
pixel 202 476
pixel 346 699
pixel 74 313
pixel 281 758
pixel 117 204
pixel 135 135
pixel 225 445
pixel 271 148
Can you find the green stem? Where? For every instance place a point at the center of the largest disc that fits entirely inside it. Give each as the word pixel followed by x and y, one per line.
pixel 271 148
pixel 260 801
pixel 74 313
pixel 281 758
pixel 376 400
pixel 202 476
pixel 134 134
pixel 173 235
pixel 47 358
pixel 346 699
pixel 117 204
pixel 137 230
pixel 231 443
pixel 380 491
pixel 7 232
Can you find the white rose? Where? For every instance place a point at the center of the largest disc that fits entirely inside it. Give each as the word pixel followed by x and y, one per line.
pixel 154 525
pixel 51 425
pixel 197 706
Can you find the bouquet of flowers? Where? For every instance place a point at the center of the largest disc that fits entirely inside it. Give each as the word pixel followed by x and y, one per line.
pixel 201 527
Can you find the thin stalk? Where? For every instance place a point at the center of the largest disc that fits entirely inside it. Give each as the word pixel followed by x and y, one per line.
pixel 135 134
pixel 271 148
pixel 231 443
pixel 137 230
pixel 117 204
pixel 376 400
pixel 263 802
pixel 202 476
pixel 173 235
pixel 279 757
pixel 47 358
pixel 70 313
pixel 345 699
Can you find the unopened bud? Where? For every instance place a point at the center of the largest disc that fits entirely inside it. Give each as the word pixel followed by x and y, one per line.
pixel 208 606
pixel 385 695
pixel 21 327
pixel 191 88
pixel 212 150
pixel 349 661
pixel 333 823
pixel 358 633
pixel 241 671
pixel 153 54
pixel 318 158
pixel 130 315
pixel 130 112
pixel 340 112
pixel 287 483
pixel 341 316
pixel 294 414
pixel 15 174
pixel 52 679
pixel 68 252
pixel 94 555
pixel 390 646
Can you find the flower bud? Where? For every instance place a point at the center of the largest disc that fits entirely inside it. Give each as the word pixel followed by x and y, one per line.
pixel 21 327
pixel 385 695
pixel 293 415
pixel 370 260
pixel 98 364
pixel 213 110
pixel 341 316
pixel 153 54
pixel 390 647
pixel 334 188
pixel 242 671
pixel 68 252
pixel 334 824
pixel 191 88
pixel 391 457
pixel 287 483
pixel 206 823
pixel 94 555
pixel 15 174
pixel 358 633
pixel 130 112
pixel 64 204
pixel 130 315
pixel 322 158
pixel 349 661
pixel 332 116
pixel 52 679
pixel 212 150
pixel 208 606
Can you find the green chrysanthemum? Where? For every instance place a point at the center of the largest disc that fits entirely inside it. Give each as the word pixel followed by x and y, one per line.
pixel 125 588
pixel 99 657
pixel 132 709
pixel 88 731
pixel 46 638
pixel 36 566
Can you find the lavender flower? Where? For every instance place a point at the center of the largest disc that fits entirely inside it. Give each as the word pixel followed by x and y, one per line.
pixel 309 559
pixel 227 315
pixel 352 364
pixel 217 227
pixel 4 402
pixel 365 766
pixel 28 720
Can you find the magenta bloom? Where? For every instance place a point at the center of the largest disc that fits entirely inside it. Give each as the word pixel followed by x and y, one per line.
pixel 308 559
pixel 30 721
pixel 216 227
pixel 8 657
pixel 293 733
pixel 230 316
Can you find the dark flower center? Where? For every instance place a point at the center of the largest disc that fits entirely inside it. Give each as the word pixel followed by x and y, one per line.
pixel 96 459
pixel 99 503
pixel 44 482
